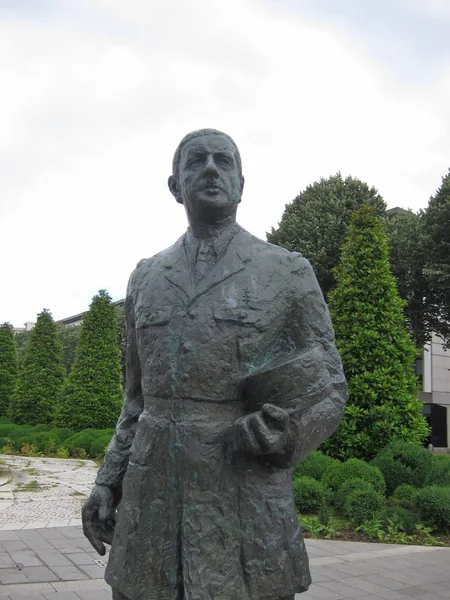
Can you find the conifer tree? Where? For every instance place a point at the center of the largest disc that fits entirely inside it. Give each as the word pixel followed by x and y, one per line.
pixel 9 365
pixel 92 396
pixel 377 351
pixel 437 227
pixel 41 375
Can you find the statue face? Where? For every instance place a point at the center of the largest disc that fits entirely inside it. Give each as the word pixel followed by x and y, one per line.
pixel 209 178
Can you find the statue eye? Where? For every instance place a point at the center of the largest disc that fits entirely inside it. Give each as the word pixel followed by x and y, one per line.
pixel 195 162
pixel 225 161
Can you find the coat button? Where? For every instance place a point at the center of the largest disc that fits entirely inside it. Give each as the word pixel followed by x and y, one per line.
pixel 192 314
pixel 185 377
pixel 186 347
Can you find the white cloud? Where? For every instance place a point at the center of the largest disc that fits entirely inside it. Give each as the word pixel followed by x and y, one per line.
pixel 96 102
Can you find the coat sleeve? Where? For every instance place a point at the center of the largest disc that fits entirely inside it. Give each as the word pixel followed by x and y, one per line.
pixel 114 466
pixel 307 325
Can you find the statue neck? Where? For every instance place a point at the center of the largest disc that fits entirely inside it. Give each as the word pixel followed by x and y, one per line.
pixel 205 230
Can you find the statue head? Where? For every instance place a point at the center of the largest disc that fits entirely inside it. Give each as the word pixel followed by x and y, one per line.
pixel 207 175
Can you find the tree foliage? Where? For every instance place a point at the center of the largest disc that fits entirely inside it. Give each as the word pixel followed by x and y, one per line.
pixel 315 223
pixel 69 336
pixel 377 351
pixel 9 365
pixel 437 228
pixel 22 338
pixel 408 245
pixel 41 374
pixel 92 395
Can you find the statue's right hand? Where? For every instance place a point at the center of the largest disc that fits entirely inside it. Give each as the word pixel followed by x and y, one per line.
pixel 98 515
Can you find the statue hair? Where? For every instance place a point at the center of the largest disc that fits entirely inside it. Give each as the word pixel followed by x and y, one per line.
pixel 201 133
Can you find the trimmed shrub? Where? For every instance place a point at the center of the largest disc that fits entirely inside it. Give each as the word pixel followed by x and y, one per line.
pixel 399 517
pixel 85 439
pixel 377 350
pixel 9 367
pixel 433 504
pixel 439 473
pixel 314 465
pixel 401 462
pixel 41 375
pixel 99 446
pixel 362 505
pixel 346 489
pixel 309 494
pixel 92 395
pixel 403 496
pixel 354 468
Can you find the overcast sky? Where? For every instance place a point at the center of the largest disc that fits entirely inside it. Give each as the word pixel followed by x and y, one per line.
pixel 96 94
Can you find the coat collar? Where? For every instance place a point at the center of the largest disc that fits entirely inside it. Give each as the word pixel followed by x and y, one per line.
pixel 176 267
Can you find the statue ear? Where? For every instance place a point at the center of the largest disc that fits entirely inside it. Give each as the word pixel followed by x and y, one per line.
pixel 242 184
pixel 175 189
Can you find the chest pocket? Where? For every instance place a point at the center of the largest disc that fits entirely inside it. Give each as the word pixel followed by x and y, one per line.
pixel 244 316
pixel 153 317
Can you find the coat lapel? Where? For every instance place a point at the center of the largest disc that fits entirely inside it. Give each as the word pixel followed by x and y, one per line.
pixel 176 268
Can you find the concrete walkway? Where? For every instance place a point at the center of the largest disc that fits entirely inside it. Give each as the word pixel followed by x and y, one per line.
pixel 57 563
pixel 44 555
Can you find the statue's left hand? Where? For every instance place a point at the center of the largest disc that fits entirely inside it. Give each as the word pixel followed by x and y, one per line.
pixel 266 431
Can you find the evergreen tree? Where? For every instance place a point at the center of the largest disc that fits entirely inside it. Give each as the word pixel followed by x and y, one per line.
pixel 377 351
pixel 315 223
pixel 408 258
pixel 69 336
pixel 9 365
pixel 92 395
pixel 41 375
pixel 437 227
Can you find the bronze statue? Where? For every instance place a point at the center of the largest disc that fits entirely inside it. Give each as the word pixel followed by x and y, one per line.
pixel 232 378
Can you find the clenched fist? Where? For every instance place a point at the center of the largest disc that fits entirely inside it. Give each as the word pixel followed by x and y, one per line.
pixel 264 432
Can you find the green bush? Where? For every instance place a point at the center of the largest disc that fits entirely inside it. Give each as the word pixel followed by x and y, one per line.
pixel 314 465
pixel 401 462
pixel 439 473
pixel 53 441
pixel 346 489
pixel 362 505
pixel 403 496
pixel 98 446
pixel 43 427
pixel 433 504
pixel 309 494
pixel 400 518
pixel 85 439
pixel 354 468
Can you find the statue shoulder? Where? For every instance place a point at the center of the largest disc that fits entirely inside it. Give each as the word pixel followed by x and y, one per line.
pixel 271 253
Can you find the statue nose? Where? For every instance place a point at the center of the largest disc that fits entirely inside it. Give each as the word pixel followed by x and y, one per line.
pixel 210 167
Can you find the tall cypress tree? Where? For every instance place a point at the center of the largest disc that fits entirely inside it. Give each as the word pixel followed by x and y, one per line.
pixel 92 395
pixel 41 375
pixel 9 366
pixel 377 351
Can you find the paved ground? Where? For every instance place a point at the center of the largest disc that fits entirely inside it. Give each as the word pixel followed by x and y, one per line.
pixel 44 555
pixel 43 492
pixel 57 563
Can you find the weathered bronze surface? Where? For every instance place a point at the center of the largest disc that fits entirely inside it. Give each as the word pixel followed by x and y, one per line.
pixel 232 378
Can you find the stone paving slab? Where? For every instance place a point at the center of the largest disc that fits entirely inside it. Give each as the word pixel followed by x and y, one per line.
pixel 59 564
